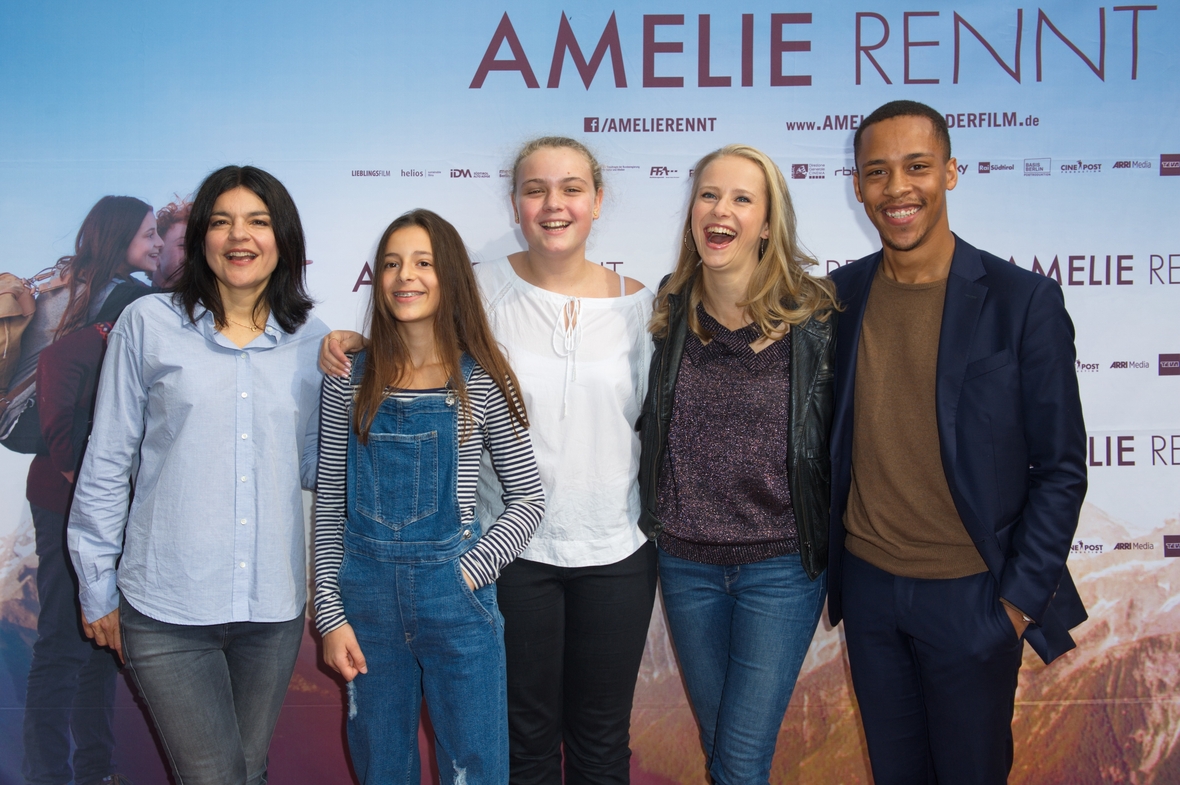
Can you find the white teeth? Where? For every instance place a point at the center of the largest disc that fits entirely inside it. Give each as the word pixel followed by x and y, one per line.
pixel 906 213
pixel 722 230
pixel 554 224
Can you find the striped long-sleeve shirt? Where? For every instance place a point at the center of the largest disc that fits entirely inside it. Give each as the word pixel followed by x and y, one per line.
pixel 512 456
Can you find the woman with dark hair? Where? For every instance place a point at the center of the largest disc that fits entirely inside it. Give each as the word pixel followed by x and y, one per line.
pixel 117 237
pixel 208 404
pixel 71 685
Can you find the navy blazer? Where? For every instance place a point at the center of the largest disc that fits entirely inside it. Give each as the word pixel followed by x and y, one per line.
pixel 1010 430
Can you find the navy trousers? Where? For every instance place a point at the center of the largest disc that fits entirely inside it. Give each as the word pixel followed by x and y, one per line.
pixel 934 665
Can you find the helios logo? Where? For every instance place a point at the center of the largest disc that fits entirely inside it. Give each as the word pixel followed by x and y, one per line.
pixel 1086 367
pixel 1171 545
pixel 1169 365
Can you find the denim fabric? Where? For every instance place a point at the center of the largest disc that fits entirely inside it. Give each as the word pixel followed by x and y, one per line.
pixel 423 632
pixel 741 633
pixel 71 688
pixel 934 664
pixel 214 691
pixel 575 638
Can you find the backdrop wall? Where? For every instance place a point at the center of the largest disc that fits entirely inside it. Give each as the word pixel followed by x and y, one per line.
pixel 1063 118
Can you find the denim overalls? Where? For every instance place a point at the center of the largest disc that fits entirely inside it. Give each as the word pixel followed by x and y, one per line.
pixel 422 631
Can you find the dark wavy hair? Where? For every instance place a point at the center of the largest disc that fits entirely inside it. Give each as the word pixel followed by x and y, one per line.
pixel 100 249
pixel 285 293
pixel 460 325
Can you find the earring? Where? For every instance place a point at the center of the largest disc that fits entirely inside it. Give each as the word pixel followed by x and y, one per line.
pixel 595 213
pixel 762 248
pixel 691 248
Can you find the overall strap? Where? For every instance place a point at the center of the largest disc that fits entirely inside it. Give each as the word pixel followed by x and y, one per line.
pixel 358 368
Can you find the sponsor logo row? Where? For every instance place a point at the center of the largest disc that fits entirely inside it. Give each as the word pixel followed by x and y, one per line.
pixel 1168 365
pixel 1032 167
pixel 1083 547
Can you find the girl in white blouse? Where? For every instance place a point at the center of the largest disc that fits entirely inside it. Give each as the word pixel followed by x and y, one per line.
pixel 578 601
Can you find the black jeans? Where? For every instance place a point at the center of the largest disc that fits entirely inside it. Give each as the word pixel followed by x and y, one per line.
pixel 71 689
pixel 574 638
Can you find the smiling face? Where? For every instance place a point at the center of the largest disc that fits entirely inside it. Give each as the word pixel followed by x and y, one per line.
pixel 143 253
pixel 729 214
pixel 240 246
pixel 555 201
pixel 171 257
pixel 902 179
pixel 409 279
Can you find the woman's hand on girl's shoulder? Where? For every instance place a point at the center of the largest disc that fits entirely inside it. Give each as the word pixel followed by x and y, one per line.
pixel 334 351
pixel 342 652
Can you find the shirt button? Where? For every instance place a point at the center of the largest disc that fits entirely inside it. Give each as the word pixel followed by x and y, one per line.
pixel 243 521
pixel 245 395
pixel 243 478
pixel 242 565
pixel 242 354
pixel 243 436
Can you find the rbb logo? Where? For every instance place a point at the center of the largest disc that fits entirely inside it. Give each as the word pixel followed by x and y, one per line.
pixel 460 173
pixel 1171 545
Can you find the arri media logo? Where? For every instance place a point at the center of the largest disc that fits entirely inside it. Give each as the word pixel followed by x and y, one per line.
pixel 1170 365
pixel 807 171
pixel 1086 367
pixel 1128 364
pixel 1171 545
pixel 1134 546
pixel 1170 165
pixel 1131 165
pixel 1038 167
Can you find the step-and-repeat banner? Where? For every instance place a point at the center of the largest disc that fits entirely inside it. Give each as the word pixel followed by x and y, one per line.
pixel 1064 121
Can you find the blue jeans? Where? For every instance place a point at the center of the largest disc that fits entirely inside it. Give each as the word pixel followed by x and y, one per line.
pixel 214 691
pixel 741 633
pixel 71 689
pixel 422 631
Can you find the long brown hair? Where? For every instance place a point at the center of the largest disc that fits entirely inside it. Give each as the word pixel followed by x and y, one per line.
pixel 100 249
pixel 781 292
pixel 460 325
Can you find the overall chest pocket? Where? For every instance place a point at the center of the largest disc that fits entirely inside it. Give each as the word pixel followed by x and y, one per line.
pixel 397 478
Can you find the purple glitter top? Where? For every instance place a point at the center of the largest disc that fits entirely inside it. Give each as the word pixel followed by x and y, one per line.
pixel 723 493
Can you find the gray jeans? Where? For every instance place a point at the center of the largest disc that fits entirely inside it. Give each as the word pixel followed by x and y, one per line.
pixel 214 692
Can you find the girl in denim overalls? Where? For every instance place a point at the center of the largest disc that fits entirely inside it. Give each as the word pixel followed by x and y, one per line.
pixel 405 593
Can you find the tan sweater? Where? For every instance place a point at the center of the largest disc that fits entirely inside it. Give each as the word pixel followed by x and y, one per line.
pixel 900 515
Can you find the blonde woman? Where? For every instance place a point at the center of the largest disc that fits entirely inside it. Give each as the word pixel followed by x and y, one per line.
pixel 734 475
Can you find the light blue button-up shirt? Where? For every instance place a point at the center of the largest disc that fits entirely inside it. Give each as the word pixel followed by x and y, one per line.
pixel 217 441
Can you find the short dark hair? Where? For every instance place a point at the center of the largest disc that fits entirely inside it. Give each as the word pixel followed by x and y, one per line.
pixel 905 109
pixel 285 292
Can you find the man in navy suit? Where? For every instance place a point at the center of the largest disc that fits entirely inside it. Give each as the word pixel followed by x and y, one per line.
pixel 958 469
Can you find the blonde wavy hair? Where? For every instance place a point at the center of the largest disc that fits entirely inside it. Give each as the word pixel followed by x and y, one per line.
pixel 781 292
